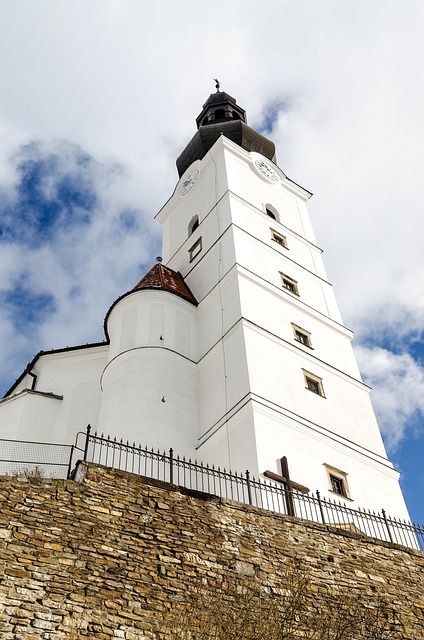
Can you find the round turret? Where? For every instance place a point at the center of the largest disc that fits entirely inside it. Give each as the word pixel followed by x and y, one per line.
pixel 149 383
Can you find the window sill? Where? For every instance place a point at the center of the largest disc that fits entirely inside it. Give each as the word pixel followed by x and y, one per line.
pixel 339 495
pixel 304 345
pixel 319 395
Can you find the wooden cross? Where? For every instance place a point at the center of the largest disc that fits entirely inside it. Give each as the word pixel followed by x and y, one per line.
pixel 289 484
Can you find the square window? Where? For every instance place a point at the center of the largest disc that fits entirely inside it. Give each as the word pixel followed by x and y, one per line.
pixel 279 239
pixel 313 383
pixel 302 336
pixel 337 485
pixel 337 480
pixel 289 284
pixel 194 251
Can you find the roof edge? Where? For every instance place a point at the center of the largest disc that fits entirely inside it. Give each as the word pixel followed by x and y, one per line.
pixel 38 355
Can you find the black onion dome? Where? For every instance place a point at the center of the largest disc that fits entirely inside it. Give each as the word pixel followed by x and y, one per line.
pixel 221 115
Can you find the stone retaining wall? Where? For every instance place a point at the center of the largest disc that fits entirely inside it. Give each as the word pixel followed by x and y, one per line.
pixel 107 555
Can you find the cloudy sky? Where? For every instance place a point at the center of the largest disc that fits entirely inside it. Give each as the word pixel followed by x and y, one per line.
pixel 98 98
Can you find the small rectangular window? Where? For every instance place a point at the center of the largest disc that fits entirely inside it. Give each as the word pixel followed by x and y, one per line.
pixel 194 251
pixel 279 239
pixel 337 485
pixel 337 480
pixel 313 383
pixel 302 336
pixel 289 284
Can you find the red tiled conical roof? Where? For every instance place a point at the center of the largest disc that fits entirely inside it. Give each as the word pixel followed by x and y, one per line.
pixel 165 279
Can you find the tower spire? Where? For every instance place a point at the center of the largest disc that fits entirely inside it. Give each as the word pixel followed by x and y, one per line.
pixel 221 115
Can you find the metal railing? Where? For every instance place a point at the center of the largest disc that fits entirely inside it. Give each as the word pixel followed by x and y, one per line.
pixel 21 457
pixel 258 492
pixel 58 461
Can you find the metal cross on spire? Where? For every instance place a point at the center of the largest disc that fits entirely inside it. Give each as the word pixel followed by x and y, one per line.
pixel 218 84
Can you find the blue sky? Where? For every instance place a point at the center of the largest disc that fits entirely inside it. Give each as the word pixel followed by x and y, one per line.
pixel 96 108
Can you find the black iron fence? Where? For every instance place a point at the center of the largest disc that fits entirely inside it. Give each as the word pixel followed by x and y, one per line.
pixel 258 492
pixel 56 460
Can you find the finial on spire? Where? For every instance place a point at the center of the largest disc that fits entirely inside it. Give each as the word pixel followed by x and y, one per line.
pixel 159 259
pixel 218 84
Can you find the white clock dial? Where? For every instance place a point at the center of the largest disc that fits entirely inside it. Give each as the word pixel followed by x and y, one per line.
pixel 267 170
pixel 189 182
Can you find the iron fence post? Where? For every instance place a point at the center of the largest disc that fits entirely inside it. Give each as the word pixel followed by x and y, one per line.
pixel 171 465
pixel 387 525
pixel 68 475
pixel 320 507
pixel 87 440
pixel 249 490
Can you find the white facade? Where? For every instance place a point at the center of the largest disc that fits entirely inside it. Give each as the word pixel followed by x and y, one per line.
pixel 254 404
pixel 149 384
pixel 261 368
pixel 56 398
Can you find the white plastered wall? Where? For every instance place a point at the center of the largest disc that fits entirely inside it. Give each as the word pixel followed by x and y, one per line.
pixel 149 384
pixel 72 377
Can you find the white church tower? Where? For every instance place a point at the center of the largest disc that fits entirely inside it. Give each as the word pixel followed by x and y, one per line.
pixel 276 372
pixel 232 349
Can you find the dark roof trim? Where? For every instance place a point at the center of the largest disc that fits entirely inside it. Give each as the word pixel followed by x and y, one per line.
pixel 44 394
pixel 31 364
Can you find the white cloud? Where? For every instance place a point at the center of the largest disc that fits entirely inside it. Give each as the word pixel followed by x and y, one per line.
pixel 398 391
pixel 59 276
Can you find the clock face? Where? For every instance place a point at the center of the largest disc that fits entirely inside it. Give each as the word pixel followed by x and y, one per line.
pixel 267 170
pixel 189 182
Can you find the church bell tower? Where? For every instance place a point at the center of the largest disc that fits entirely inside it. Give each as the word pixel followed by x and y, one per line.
pixel 276 374
pixel 231 349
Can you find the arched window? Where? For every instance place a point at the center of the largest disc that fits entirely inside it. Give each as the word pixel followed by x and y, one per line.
pixel 194 223
pixel 219 114
pixel 272 212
